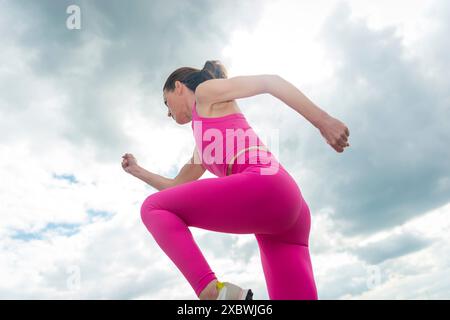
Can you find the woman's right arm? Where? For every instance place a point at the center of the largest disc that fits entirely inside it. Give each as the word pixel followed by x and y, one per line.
pixel 191 171
pixel 155 180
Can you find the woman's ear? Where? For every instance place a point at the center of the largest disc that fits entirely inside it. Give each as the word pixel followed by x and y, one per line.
pixel 178 86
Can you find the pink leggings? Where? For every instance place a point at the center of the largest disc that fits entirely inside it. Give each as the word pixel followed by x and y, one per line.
pixel 269 206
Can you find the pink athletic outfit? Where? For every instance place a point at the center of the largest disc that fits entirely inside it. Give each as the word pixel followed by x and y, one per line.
pixel 248 201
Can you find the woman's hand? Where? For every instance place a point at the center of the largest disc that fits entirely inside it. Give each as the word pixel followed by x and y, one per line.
pixel 129 163
pixel 335 133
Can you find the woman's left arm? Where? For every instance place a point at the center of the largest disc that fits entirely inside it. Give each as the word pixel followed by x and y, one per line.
pixel 212 91
pixel 293 97
pixel 218 90
pixel 334 131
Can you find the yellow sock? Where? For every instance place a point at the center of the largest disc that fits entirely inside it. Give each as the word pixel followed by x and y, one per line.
pixel 219 285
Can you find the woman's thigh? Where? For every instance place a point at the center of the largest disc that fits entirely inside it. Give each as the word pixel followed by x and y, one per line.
pixel 241 203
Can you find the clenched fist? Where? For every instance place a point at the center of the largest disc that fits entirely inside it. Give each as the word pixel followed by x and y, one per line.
pixel 129 162
pixel 335 133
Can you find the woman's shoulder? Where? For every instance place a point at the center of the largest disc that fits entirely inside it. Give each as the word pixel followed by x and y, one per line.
pixel 213 110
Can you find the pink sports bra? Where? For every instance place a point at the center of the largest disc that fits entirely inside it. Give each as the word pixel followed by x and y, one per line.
pixel 221 140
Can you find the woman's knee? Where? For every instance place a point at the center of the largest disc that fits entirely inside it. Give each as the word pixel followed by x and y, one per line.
pixel 150 204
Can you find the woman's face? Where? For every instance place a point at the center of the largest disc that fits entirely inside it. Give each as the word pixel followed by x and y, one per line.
pixel 176 103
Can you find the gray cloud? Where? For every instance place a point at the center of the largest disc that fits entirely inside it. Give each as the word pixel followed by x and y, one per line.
pixel 397 166
pixel 392 247
pixel 123 52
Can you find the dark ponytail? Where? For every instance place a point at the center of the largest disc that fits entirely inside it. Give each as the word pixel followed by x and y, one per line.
pixel 191 77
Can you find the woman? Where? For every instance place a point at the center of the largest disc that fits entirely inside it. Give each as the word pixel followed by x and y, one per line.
pixel 252 194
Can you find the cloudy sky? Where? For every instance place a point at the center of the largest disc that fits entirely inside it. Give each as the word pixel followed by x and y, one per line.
pixel 73 101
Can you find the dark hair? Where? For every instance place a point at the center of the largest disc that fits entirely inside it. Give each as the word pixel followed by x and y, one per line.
pixel 192 77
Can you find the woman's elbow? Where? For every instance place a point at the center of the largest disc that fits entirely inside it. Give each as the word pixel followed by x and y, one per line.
pixel 273 81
